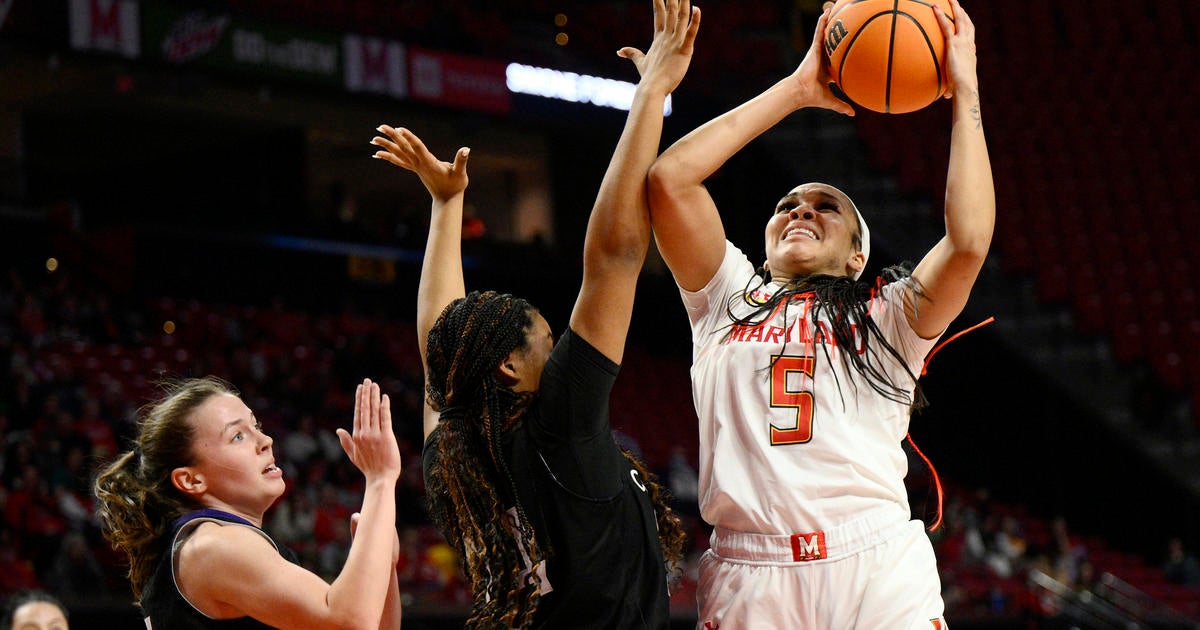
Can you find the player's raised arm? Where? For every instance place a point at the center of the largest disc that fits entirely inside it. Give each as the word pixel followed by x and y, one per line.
pixel 441 272
pixel 618 233
pixel 949 270
pixel 687 226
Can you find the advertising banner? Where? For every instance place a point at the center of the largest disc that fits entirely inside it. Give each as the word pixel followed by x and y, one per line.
pixel 458 81
pixel 216 40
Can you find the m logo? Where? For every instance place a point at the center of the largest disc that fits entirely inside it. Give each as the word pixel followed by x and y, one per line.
pixel 807 547
pixel 111 26
pixel 375 65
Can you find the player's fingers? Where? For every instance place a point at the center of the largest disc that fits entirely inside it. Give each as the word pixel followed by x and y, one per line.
pixel 357 406
pixel 418 147
pixel 818 39
pixel 384 143
pixel 346 442
pixel 370 420
pixel 388 157
pixel 944 21
pixel 961 17
pixel 660 12
pixel 679 12
pixel 385 416
pixel 460 160
pixel 693 28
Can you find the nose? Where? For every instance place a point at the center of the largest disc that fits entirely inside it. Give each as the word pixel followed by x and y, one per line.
pixel 802 211
pixel 265 442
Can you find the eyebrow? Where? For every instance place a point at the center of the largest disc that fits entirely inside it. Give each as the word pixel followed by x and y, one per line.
pixel 824 195
pixel 235 423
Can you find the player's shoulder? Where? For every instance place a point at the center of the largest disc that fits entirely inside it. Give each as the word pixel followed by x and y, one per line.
pixel 217 541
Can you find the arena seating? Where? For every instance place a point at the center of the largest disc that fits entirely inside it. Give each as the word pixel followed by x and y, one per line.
pixel 1102 213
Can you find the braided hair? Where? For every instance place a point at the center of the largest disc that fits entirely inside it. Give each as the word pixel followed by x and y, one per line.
pixel 844 302
pixel 469 485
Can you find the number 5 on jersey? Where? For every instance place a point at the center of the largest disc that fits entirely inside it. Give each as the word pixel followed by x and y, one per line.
pixel 800 431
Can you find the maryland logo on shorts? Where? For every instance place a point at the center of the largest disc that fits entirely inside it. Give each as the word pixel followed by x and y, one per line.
pixel 807 547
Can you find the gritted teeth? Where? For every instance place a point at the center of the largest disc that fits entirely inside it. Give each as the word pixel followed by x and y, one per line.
pixel 802 230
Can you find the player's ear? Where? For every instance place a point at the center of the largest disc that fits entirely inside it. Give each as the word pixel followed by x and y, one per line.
pixel 189 481
pixel 507 370
pixel 856 263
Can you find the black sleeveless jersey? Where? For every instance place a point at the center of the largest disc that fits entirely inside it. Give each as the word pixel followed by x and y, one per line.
pixel 590 510
pixel 164 607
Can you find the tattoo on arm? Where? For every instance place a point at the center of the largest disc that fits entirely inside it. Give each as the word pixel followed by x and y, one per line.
pixel 975 115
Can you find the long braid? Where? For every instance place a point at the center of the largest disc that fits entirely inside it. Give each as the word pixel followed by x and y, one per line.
pixel 470 483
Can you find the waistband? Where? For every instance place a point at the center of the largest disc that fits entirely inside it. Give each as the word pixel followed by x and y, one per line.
pixel 873 528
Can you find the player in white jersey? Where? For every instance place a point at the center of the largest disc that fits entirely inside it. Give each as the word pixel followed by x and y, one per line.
pixel 805 376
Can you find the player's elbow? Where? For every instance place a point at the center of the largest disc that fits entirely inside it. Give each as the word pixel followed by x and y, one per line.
pixel 664 186
pixel 356 621
pixel 970 254
pixel 618 248
pixel 973 245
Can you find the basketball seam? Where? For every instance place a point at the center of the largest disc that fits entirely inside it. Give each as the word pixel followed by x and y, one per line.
pixel 887 89
pixel 862 28
pixel 937 63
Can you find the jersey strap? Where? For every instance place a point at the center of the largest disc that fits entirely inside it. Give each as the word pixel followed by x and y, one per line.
pixel 220 515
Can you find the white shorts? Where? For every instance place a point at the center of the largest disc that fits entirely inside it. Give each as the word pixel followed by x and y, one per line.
pixel 875 572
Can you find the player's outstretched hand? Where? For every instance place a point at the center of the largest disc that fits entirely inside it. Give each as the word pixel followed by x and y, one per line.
pixel 372 447
pixel 676 23
pixel 403 148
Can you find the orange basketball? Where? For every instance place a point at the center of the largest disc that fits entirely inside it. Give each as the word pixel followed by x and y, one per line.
pixel 888 55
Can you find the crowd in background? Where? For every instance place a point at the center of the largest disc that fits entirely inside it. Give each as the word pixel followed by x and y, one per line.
pixel 77 361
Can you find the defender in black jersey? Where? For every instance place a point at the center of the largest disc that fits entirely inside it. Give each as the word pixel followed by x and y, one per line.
pixel 557 527
pixel 587 502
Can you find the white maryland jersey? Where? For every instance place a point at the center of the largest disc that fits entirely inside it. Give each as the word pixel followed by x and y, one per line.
pixel 795 443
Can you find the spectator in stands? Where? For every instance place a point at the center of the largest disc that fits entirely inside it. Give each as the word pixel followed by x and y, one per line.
pixel 1068 552
pixel 556 525
pixel 805 377
pixel 34 610
pixel 186 505
pixel 75 572
pixel 1007 548
pixel 1181 567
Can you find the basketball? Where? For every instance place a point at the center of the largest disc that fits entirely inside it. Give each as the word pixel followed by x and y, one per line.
pixel 888 55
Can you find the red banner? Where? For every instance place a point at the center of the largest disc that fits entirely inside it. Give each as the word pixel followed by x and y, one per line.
pixel 458 81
